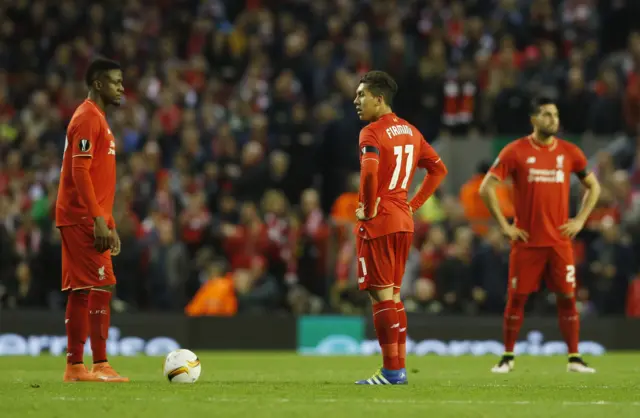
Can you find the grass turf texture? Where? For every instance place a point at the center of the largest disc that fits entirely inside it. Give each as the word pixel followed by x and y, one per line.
pixel 286 385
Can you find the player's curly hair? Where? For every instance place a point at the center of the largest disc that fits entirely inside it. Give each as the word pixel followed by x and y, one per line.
pixel 99 66
pixel 379 84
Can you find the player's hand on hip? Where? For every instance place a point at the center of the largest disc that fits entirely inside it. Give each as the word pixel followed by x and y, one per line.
pixel 572 227
pixel 514 233
pixel 101 234
pixel 115 243
pixel 360 211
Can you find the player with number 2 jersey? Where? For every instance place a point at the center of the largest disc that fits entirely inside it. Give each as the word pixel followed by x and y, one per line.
pixel 391 149
pixel 540 166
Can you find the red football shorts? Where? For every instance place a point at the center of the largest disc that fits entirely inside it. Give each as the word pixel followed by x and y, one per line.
pixel 82 266
pixel 381 260
pixel 528 265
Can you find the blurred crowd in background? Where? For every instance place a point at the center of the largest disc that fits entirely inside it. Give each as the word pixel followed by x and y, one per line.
pixel 237 157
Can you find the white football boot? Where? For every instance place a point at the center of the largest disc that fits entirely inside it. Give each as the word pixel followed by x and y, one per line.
pixel 577 365
pixel 505 365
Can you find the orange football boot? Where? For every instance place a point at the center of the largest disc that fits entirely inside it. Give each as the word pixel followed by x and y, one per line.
pixel 105 372
pixel 79 373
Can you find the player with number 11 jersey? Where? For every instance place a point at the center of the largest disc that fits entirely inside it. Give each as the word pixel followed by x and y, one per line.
pixel 401 150
pixel 391 149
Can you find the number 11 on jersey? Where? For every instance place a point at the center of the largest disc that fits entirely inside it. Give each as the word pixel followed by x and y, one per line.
pixel 397 151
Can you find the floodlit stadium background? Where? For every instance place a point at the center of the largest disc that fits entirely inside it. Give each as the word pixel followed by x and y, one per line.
pixel 237 162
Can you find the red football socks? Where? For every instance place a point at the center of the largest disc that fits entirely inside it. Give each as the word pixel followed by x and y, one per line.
pixel 99 319
pixel 569 322
pixel 385 320
pixel 402 334
pixel 513 318
pixel 77 325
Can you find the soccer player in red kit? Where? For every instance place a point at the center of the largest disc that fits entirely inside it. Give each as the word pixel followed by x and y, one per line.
pixel 540 166
pixel 390 151
pixel 84 217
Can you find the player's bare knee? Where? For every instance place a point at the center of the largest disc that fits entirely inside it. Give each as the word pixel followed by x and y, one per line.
pixel 381 295
pixel 396 297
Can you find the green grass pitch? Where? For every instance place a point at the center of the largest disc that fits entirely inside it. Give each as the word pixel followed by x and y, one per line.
pixel 287 385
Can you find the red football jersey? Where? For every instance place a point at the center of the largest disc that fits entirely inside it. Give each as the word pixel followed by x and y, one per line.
pixel 541 177
pixel 402 149
pixel 88 136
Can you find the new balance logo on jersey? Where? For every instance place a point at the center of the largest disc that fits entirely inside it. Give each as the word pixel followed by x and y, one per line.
pixel 101 275
pixel 399 130
pixel 531 160
pixel 112 148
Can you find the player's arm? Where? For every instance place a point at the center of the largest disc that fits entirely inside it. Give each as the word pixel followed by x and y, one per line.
pixel 589 200
pixel 590 182
pixel 369 172
pixel 83 139
pixel 501 169
pixel 436 172
pixel 490 198
pixel 591 196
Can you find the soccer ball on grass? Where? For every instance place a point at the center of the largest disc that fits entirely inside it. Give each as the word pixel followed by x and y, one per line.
pixel 182 366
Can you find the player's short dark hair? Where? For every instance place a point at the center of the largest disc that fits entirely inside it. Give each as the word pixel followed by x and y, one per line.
pixel 382 84
pixel 537 102
pixel 98 67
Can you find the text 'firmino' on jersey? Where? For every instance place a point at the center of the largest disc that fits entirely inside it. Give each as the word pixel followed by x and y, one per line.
pixel 396 130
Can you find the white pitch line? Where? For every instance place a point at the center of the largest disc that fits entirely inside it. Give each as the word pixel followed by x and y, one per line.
pixel 368 401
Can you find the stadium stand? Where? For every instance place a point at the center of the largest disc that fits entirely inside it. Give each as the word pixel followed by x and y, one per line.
pixel 237 157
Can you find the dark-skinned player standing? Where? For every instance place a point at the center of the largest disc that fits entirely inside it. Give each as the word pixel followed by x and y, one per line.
pixel 84 217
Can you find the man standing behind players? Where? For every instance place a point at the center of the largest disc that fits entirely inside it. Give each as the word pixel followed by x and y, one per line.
pixel 84 216
pixel 540 166
pixel 390 151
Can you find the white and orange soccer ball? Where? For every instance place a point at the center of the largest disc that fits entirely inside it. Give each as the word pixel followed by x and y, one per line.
pixel 182 366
